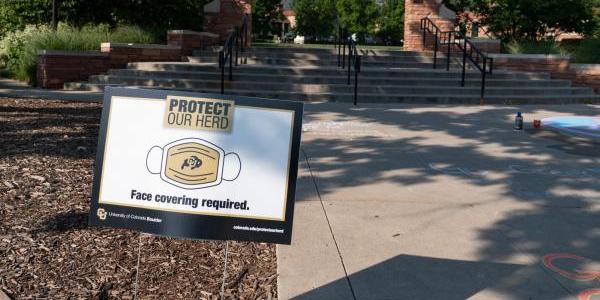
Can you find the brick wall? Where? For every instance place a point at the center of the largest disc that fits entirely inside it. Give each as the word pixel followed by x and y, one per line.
pixel 57 67
pixel 228 13
pixel 532 62
pixel 414 11
pixel 189 40
pixel 487 45
pixel 582 75
pixel 559 67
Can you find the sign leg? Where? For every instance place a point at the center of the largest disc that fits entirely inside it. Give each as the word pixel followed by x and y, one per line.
pixel 224 270
pixel 137 268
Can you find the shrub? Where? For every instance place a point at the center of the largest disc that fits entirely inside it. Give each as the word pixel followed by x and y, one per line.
pixel 533 47
pixel 18 50
pixel 584 51
pixel 581 51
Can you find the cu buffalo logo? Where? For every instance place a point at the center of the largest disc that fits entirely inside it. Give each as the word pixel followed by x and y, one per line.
pixel 193 163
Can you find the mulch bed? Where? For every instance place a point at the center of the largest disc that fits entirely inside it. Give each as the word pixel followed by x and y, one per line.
pixel 47 250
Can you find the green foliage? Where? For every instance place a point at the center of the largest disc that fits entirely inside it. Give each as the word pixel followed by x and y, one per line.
pixel 357 15
pixel 265 13
pixel 18 50
pixel 315 18
pixel 581 51
pixel 596 13
pixel 15 14
pixel 150 14
pixel 390 24
pixel 535 19
pixel 534 47
pixel 458 5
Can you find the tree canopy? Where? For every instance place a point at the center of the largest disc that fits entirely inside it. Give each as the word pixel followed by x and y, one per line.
pixel 264 15
pixel 150 14
pixel 315 17
pixel 535 19
pixel 390 24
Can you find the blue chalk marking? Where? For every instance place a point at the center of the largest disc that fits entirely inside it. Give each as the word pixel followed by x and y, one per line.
pixel 582 126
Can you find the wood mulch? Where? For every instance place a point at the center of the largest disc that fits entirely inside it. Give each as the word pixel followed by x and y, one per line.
pixel 47 250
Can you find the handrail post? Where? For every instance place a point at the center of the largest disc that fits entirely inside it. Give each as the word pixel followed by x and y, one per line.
pixel 435 49
pixel 449 51
pixel 491 65
pixel 464 65
pixel 356 71
pixel 344 49
pixel 483 81
pixel 222 66
pixel 230 62
pixel 350 54
pixel 237 45
pixel 424 26
pixel 339 46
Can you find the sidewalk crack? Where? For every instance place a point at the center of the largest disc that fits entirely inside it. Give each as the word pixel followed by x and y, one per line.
pixel 306 159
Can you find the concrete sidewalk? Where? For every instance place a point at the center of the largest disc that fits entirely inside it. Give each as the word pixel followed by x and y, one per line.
pixel 416 202
pixel 17 89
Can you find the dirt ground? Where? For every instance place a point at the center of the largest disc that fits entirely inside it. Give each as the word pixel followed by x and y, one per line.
pixel 47 250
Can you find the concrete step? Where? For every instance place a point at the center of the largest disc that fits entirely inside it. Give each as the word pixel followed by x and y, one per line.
pixel 378 98
pixel 328 71
pixel 333 50
pixel 401 55
pixel 416 80
pixel 324 63
pixel 334 58
pixel 335 88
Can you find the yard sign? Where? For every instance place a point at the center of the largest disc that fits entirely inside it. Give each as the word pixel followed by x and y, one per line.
pixel 198 166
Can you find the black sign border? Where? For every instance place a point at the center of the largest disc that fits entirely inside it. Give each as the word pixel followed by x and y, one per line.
pixel 196 226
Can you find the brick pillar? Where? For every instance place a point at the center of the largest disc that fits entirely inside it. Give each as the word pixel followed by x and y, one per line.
pixel 221 16
pixel 414 11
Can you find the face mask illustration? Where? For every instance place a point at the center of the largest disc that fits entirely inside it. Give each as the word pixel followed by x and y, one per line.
pixel 193 163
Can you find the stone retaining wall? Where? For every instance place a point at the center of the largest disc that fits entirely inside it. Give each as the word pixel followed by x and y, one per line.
pixel 189 40
pixel 559 67
pixel 487 45
pixel 583 75
pixel 57 67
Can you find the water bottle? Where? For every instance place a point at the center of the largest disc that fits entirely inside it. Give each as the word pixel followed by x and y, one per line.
pixel 519 121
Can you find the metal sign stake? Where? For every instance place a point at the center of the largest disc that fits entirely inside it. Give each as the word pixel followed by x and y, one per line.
pixel 224 270
pixel 137 267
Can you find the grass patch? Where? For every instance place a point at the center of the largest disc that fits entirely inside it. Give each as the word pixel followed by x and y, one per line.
pixel 18 50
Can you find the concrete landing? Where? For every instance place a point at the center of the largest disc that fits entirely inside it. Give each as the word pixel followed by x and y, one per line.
pixel 417 202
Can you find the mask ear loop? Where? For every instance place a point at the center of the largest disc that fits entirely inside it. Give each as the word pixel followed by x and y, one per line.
pixel 232 158
pixel 154 154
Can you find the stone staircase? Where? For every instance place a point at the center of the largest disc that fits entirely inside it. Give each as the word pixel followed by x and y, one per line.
pixel 311 74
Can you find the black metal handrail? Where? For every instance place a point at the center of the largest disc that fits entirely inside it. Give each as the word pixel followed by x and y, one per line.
pixel 343 42
pixel 236 41
pixel 469 51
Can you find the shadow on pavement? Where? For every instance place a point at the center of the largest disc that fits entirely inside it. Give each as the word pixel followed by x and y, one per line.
pixel 558 179
pixel 417 277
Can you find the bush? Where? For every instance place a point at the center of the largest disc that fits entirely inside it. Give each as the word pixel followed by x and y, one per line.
pixel 533 47
pixel 18 50
pixel 583 51
pixel 158 15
